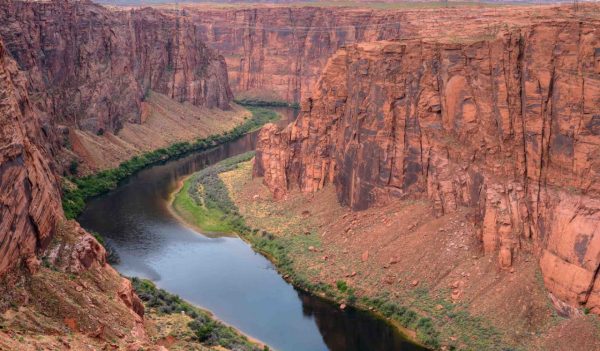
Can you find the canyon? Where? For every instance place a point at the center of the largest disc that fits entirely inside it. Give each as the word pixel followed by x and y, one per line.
pixel 69 67
pixel 92 71
pixel 505 127
pixel 475 122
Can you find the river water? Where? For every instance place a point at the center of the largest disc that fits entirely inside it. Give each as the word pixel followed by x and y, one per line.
pixel 224 274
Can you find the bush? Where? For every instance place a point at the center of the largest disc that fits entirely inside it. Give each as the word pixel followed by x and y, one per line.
pixel 74 167
pixel 265 103
pixel 206 330
pixel 341 285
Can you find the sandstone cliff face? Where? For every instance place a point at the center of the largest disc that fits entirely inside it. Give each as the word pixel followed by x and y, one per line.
pixel 31 217
pixel 279 53
pixel 507 127
pixel 90 68
pixel 29 192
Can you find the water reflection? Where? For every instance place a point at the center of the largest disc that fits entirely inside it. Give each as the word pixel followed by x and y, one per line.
pixel 223 274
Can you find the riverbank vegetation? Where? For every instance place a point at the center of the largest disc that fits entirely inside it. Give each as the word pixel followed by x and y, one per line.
pixel 207 192
pixel 204 328
pixel 255 102
pixel 76 190
pixel 204 202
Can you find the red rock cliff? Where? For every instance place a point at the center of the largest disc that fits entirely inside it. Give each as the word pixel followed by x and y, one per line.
pixel 32 224
pixel 279 52
pixel 90 67
pixel 29 192
pixel 508 127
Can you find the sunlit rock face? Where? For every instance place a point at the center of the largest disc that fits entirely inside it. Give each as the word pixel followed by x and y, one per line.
pixel 508 127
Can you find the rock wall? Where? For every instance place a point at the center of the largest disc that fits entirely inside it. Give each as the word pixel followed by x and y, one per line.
pixel 278 53
pixel 29 192
pixel 508 127
pixel 90 67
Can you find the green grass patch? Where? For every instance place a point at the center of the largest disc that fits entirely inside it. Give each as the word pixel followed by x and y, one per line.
pixel 205 328
pixel 74 197
pixel 204 200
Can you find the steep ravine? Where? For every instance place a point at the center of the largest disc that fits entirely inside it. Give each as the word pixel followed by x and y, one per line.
pixel 504 128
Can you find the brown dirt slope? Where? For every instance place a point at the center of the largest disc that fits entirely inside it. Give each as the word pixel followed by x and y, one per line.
pixel 434 265
pixel 164 122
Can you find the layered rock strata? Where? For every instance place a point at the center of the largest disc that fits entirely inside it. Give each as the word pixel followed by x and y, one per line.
pixel 507 127
pixel 278 53
pixel 90 67
pixel 29 192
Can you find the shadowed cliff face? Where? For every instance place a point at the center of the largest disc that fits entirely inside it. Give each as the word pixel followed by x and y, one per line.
pixel 506 127
pixel 91 68
pixel 80 64
pixel 32 224
pixel 29 192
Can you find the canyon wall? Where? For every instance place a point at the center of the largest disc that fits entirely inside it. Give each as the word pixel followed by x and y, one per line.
pixel 29 192
pixel 278 53
pixel 90 68
pixel 507 127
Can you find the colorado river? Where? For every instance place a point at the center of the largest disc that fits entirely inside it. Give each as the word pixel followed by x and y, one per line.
pixel 223 274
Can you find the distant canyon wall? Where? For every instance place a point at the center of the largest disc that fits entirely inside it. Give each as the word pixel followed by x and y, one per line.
pixel 90 67
pixel 278 53
pixel 507 127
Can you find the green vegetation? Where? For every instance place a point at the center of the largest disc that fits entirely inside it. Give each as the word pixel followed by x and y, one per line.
pixel 264 103
pixel 86 187
pixel 204 202
pixel 209 195
pixel 431 316
pixel 74 167
pixel 206 329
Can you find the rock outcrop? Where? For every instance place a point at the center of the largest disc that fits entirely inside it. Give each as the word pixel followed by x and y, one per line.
pixel 32 225
pixel 508 127
pixel 29 192
pixel 90 67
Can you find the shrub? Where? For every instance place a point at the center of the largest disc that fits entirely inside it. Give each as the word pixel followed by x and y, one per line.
pixel 206 330
pixel 341 285
pixel 74 167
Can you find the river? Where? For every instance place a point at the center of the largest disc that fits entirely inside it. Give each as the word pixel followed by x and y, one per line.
pixel 223 274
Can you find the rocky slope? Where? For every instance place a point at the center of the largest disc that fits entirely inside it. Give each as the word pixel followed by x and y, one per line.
pixel 506 128
pixel 71 63
pixel 32 225
pixel 90 67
